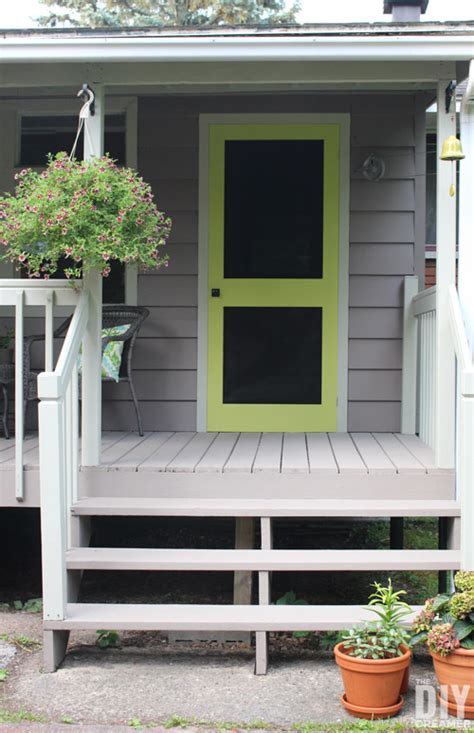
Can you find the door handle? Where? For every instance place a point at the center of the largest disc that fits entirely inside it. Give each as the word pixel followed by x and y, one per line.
pixel 216 293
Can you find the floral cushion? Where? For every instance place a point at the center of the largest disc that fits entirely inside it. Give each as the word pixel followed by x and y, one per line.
pixel 111 352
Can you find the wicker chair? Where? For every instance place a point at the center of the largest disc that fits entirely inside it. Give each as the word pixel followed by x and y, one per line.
pixel 112 315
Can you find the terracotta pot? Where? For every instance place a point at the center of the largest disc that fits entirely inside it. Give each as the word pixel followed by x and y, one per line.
pixel 372 686
pixel 456 669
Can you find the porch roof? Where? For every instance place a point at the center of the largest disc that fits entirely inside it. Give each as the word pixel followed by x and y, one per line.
pixel 450 41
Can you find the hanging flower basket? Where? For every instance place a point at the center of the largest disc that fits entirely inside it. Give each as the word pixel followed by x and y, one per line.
pixel 81 216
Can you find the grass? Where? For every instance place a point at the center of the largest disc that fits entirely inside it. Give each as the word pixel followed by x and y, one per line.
pixel 25 643
pixel 20 716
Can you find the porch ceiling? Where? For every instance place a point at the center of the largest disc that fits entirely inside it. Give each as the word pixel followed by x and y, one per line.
pixel 245 76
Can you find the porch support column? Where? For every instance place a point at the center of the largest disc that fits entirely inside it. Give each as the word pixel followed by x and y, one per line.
pixel 465 476
pixel 445 276
pixel 92 347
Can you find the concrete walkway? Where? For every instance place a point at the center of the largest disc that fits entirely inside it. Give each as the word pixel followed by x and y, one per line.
pixel 147 680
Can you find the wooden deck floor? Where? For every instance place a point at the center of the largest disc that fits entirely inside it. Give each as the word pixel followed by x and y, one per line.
pixel 270 465
pixel 382 453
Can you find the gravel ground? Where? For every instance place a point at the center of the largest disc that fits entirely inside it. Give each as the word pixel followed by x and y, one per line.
pixel 149 680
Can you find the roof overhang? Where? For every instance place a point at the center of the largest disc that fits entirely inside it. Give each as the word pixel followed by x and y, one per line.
pixel 437 42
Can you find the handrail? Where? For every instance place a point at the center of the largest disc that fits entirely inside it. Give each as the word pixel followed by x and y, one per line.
pixel 52 385
pixel 424 301
pixel 465 433
pixel 458 332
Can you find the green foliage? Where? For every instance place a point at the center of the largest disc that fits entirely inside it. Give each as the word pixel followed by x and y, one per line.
pixel 446 622
pixel 110 13
pixel 3 674
pixel 90 213
pixel 290 599
pixel 67 720
pixel 329 639
pixel 32 605
pixel 374 641
pixel 107 639
pixel 21 641
pixel 381 639
pixel 7 338
pixel 20 716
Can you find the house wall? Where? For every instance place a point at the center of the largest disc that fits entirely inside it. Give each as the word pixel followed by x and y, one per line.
pixel 386 243
pixel 387 233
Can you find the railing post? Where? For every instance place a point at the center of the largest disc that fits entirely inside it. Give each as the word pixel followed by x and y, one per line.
pixel 445 276
pixel 53 501
pixel 410 350
pixel 92 350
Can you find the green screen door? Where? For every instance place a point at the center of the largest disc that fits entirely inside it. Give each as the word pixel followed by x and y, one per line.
pixel 273 277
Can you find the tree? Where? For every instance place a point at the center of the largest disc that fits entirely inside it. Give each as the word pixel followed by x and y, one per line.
pixel 110 13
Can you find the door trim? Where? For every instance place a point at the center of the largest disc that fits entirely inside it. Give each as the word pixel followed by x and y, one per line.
pixel 343 120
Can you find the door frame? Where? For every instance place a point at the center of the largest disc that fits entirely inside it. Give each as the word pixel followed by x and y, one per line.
pixel 205 120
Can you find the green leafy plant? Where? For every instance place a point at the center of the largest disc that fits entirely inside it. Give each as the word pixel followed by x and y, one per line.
pixel 290 599
pixel 67 720
pixel 385 637
pixel 3 674
pixel 32 605
pixel 7 338
pixel 107 639
pixel 446 621
pixel 85 213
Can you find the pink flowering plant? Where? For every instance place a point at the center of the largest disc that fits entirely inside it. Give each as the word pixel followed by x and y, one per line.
pixel 446 622
pixel 81 215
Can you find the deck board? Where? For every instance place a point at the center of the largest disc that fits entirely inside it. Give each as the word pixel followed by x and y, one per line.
pixel 399 454
pixel 268 458
pixel 218 453
pixel 148 445
pixel 372 453
pixel 192 453
pixel 243 456
pixel 320 454
pixel 294 458
pixel 346 454
pixel 162 457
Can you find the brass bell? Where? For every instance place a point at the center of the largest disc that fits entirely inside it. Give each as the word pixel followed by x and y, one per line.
pixel 452 149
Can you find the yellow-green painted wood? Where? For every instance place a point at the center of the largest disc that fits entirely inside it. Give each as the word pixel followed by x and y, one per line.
pixel 273 292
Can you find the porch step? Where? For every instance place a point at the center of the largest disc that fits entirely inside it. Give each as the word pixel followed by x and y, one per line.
pixel 105 558
pixel 171 617
pixel 229 507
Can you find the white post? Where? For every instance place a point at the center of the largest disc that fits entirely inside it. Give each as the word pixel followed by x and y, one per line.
pixel 410 350
pixel 445 276
pixel 92 348
pixel 466 215
pixel 53 508
pixel 465 482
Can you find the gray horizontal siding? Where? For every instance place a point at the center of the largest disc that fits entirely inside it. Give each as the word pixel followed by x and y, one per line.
pixel 164 415
pixel 374 386
pixel 375 354
pixel 381 416
pixel 151 384
pixel 379 322
pixel 381 259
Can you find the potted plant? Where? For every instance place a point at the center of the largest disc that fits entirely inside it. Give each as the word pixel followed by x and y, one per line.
pixel 446 625
pixel 77 216
pixel 6 347
pixel 374 658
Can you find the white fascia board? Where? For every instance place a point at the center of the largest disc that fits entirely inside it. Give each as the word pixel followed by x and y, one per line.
pixel 243 48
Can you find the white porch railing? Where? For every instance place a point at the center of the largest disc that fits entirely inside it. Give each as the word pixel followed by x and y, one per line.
pixel 59 464
pixel 424 310
pixel 419 362
pixel 465 428
pixel 20 294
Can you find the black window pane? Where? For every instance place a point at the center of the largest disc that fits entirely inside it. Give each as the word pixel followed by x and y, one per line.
pixel 273 211
pixel 45 134
pixel 272 356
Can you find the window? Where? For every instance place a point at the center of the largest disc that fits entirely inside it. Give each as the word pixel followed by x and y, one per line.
pixel 43 134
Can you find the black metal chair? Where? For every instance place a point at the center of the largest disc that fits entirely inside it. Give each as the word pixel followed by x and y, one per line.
pixel 112 315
